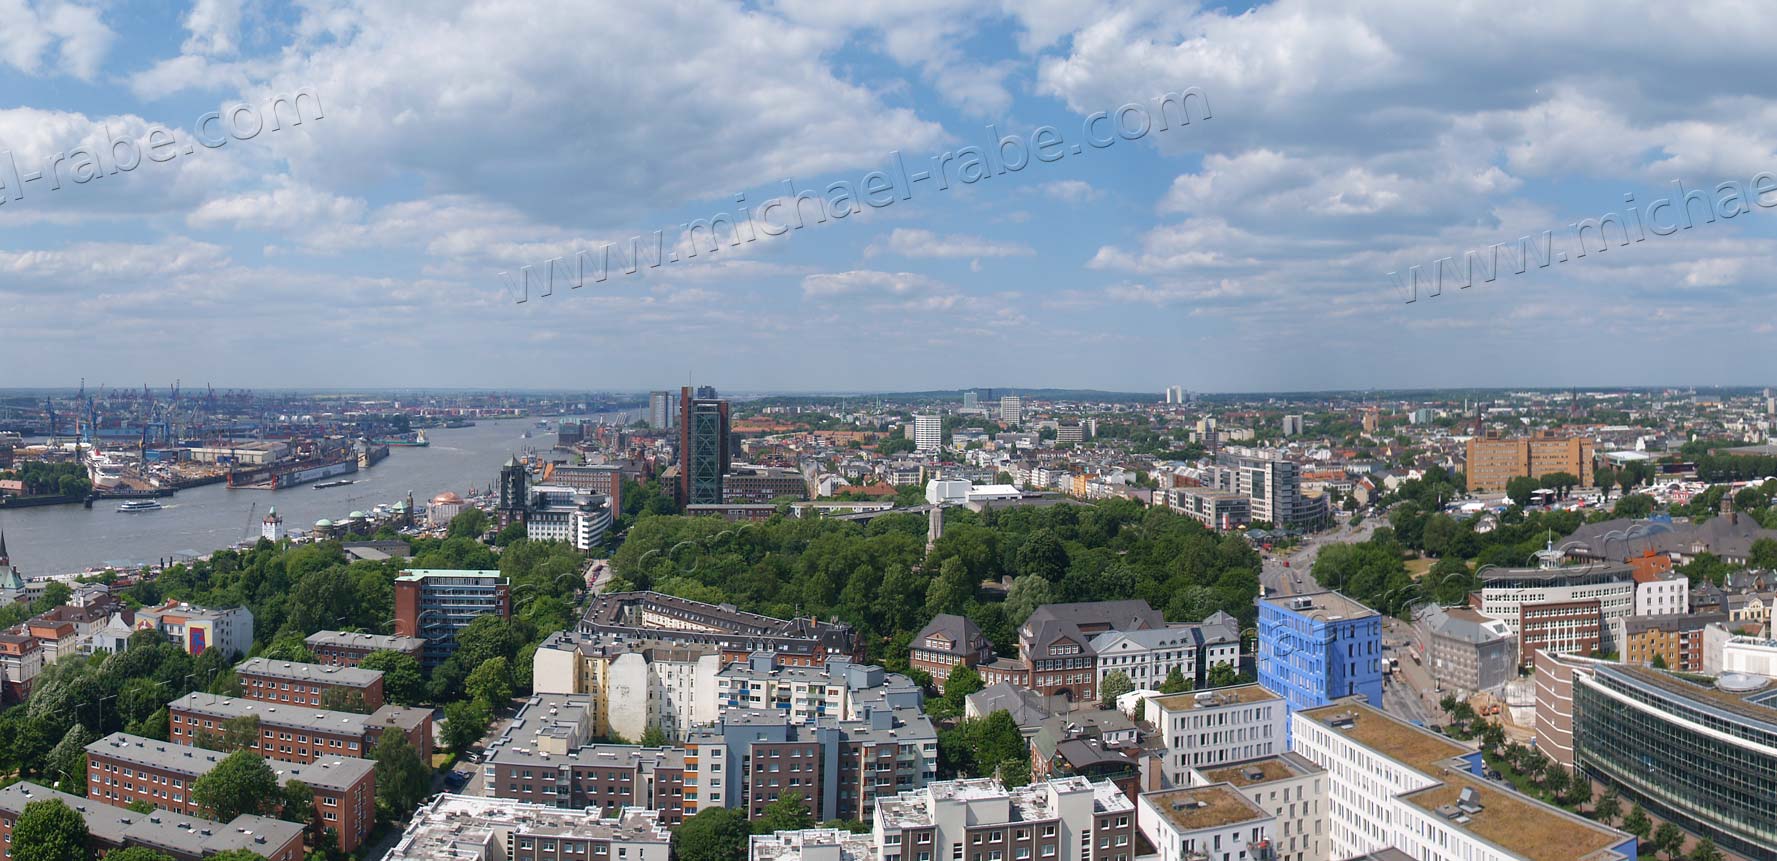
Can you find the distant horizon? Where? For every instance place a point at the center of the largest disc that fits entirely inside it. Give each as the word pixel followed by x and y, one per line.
pixel 185 393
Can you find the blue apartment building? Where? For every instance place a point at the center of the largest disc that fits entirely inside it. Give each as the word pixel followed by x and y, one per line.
pixel 1319 647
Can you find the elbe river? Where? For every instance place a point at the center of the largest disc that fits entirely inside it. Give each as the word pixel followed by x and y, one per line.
pixel 58 539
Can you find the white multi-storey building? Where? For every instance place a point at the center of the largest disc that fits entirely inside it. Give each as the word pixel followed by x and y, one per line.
pixel 1212 728
pixel 1662 593
pixel 928 431
pixel 1272 484
pixel 838 690
pixel 1569 610
pixel 1066 819
pixel 1290 788
pixel 1205 823
pixel 673 689
pixel 561 513
pixel 471 828
pixel 1011 409
pixel 1148 656
pixel 196 629
pixel 1394 785
pixel 1754 656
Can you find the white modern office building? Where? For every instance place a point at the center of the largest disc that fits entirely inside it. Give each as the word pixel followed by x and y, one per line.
pixel 560 513
pixel 1205 729
pixel 1395 785
pixel 1205 823
pixel 1290 788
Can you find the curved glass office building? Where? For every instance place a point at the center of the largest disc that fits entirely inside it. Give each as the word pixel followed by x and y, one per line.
pixel 1704 757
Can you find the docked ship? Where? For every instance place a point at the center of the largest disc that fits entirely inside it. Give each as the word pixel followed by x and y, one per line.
pixel 415 439
pixel 139 505
pixel 292 475
pixel 370 454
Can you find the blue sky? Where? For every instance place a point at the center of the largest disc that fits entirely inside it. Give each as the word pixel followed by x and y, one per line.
pixel 1249 251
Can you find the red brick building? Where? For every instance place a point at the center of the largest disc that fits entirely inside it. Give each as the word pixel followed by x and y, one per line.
pixel 1564 627
pixel 21 659
pixel 341 649
pixel 299 734
pixel 185 838
pixel 594 777
pixel 122 769
pixel 946 642
pixel 318 685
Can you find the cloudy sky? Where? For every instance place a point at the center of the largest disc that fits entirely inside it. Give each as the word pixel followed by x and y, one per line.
pixel 1247 251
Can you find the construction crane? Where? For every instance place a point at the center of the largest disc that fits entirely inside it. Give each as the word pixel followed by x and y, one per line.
pixel 251 510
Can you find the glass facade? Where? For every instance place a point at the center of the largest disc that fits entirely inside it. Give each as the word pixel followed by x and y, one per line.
pixel 1701 759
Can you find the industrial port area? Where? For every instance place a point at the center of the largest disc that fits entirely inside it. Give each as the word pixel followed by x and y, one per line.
pixel 80 446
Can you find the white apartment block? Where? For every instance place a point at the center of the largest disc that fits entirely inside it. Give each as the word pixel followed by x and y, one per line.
pixel 630 691
pixel 1011 409
pixel 1751 655
pixel 838 690
pixel 979 819
pixel 1664 594
pixel 928 431
pixel 196 629
pixel 1290 788
pixel 1212 728
pixel 1394 785
pixel 672 689
pixel 1147 657
pixel 1205 823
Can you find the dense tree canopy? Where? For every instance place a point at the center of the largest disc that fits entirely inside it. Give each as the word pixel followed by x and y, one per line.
pixel 49 831
pixel 403 780
pixel 984 747
pixel 788 813
pixel 714 834
pixel 241 783
pixel 878 576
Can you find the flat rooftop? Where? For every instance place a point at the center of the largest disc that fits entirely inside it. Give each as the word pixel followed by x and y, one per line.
pixel 1412 746
pixel 1748 704
pixel 368 642
pixel 300 717
pixel 163 830
pixel 789 845
pixel 1029 803
pixel 1328 605
pixel 297 671
pixel 1263 770
pixel 1195 808
pixel 448 823
pixel 1517 824
pixel 416 574
pixel 1215 697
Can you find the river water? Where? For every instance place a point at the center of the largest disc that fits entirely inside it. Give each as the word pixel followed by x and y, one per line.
pixel 58 539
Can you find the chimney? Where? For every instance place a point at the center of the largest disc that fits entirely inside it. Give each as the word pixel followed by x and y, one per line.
pixel 1727 509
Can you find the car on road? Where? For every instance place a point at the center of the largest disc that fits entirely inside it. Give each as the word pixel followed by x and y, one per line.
pixel 455 779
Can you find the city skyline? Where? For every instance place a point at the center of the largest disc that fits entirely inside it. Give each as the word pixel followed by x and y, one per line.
pixel 1249 250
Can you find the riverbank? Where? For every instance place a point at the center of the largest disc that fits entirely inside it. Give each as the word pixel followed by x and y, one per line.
pixel 199 520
